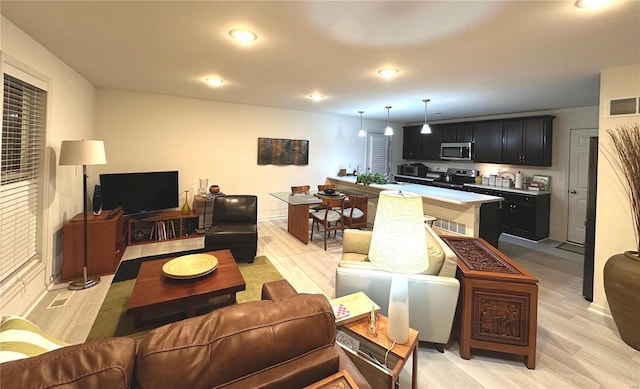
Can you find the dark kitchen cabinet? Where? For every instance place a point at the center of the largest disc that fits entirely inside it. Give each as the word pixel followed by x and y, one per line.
pixel 411 142
pixel 527 141
pixel 522 215
pixel 431 143
pixel 526 216
pixel 457 132
pixel 487 145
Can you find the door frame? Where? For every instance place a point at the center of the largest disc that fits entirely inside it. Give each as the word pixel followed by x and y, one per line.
pixel 590 132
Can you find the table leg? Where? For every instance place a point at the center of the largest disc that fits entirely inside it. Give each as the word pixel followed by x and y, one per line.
pixel 414 372
pixel 298 222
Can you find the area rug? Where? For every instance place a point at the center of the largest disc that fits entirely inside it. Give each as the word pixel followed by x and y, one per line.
pixel 113 320
pixel 574 248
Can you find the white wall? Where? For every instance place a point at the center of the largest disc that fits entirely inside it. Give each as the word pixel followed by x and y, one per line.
pixel 565 120
pixel 219 141
pixel 614 226
pixel 70 115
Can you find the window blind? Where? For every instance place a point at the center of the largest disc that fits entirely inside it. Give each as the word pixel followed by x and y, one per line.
pixel 21 155
pixel 378 153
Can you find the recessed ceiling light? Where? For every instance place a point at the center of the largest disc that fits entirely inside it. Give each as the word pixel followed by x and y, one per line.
pixel 243 35
pixel 316 97
pixel 388 72
pixel 212 81
pixel 591 3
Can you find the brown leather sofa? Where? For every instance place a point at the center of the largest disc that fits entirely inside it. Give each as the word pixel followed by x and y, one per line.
pixel 285 342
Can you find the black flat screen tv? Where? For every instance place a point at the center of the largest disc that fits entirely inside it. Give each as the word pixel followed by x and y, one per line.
pixel 139 192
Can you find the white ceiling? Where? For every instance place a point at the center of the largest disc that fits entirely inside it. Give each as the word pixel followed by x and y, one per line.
pixel 470 58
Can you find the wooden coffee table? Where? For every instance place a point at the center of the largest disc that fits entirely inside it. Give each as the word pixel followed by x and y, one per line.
pixel 153 291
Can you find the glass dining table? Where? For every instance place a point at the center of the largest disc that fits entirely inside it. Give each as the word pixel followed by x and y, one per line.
pixel 298 212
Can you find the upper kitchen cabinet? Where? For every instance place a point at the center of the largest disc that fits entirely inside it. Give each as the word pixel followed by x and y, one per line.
pixel 411 142
pixel 527 141
pixel 487 145
pixel 424 147
pixel 431 143
pixel 457 132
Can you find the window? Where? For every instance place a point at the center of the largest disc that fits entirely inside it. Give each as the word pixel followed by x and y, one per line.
pixel 378 153
pixel 21 159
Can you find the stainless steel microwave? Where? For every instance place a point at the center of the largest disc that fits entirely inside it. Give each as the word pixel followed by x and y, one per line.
pixel 456 151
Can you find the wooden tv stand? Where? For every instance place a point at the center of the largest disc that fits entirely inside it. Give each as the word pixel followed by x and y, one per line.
pixel 498 304
pixel 105 245
pixel 161 226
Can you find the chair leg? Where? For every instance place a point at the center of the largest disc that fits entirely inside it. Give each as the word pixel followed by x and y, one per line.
pixel 325 238
pixel 313 222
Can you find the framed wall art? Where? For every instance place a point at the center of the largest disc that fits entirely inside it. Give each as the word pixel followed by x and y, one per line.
pixel 273 151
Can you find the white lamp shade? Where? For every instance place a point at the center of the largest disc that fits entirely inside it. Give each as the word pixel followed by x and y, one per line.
pixel 426 129
pixel 82 152
pixel 388 131
pixel 398 241
pixel 362 133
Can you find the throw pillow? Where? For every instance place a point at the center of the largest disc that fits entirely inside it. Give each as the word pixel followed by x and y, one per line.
pixel 20 338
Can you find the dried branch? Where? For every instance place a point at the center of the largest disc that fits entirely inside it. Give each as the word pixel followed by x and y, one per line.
pixel 626 142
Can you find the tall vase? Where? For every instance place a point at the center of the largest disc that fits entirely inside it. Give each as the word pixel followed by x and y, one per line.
pixel 622 286
pixel 186 209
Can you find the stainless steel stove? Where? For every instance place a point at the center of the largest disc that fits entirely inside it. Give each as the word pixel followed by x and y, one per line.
pixel 456 178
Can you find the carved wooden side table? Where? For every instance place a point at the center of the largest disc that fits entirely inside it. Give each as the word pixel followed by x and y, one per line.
pixel 498 307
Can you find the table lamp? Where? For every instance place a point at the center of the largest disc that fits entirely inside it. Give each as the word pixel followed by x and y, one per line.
pixel 399 245
pixel 83 152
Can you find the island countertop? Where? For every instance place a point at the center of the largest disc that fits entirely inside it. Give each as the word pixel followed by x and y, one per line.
pixel 430 192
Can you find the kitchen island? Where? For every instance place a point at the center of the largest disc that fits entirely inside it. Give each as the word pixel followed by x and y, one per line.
pixel 458 212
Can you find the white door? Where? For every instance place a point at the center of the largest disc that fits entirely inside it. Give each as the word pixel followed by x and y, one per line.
pixel 378 161
pixel 578 169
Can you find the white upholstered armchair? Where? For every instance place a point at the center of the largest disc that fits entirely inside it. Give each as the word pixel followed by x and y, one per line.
pixel 433 295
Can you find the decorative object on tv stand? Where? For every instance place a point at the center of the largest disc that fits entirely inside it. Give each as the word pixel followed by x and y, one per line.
pixel 399 245
pixel 214 189
pixel 622 270
pixel 203 187
pixel 83 152
pixel 186 209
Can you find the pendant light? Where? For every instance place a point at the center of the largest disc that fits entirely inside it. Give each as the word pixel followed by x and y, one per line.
pixel 388 131
pixel 425 127
pixel 361 133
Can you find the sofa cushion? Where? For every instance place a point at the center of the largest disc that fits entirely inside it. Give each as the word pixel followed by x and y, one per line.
pixel 261 336
pixel 20 338
pixel 436 255
pixel 102 364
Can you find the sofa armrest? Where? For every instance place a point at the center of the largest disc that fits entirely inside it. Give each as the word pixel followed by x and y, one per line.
pixel 277 290
pixel 102 364
pixel 432 299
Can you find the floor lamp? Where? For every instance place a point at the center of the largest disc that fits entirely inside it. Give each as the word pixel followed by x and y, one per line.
pixel 83 152
pixel 399 245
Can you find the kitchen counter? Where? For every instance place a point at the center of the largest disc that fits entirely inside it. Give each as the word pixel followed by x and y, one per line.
pixel 430 192
pixel 511 190
pixel 457 212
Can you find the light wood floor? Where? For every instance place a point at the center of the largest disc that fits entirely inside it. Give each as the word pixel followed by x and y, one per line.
pixel 576 348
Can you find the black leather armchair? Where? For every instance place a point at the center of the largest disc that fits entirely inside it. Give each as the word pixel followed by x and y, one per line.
pixel 234 226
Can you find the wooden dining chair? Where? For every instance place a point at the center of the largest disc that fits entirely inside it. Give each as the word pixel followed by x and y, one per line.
pixel 302 189
pixel 327 186
pixel 355 215
pixel 331 218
